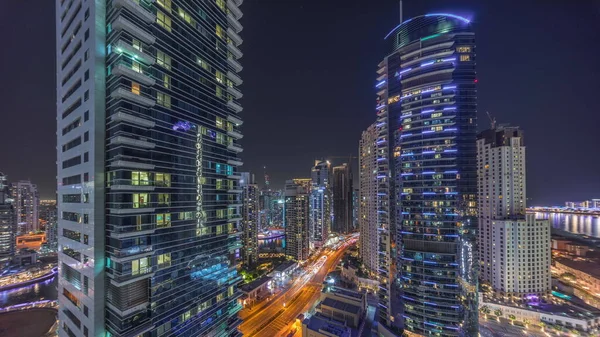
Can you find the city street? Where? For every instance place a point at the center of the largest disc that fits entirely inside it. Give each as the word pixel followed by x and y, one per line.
pixel 282 312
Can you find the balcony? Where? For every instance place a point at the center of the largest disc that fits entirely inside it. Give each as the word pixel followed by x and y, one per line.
pixel 122 280
pixel 234 50
pixel 124 313
pixel 131 210
pixel 129 185
pixel 125 117
pixel 238 2
pixel 235 218
pixel 234 176
pixel 381 70
pixel 123 24
pixel 131 164
pixel 122 46
pixel 235 120
pixel 234 63
pixel 235 134
pixel 235 190
pixel 120 255
pixel 234 23
pixel 122 235
pixel 123 140
pixel 136 9
pixel 235 148
pixel 234 106
pixel 234 36
pixel 235 92
pixel 235 78
pixel 127 94
pixel 381 77
pixel 233 8
pixel 235 163
pixel 124 70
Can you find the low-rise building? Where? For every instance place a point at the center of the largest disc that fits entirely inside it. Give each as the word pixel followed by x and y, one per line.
pixel 319 326
pixel 284 271
pixel 256 290
pixel 585 271
pixel 343 305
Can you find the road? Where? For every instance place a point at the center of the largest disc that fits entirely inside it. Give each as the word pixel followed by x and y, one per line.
pixel 281 314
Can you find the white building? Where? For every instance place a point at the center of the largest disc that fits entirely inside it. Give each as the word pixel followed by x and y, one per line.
pixel 367 196
pixel 320 204
pixel 514 249
pixel 27 202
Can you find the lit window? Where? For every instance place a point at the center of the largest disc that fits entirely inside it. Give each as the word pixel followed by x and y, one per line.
pixel 162 179
pixel 465 58
pixel 163 220
pixel 221 4
pixel 203 64
pixel 220 123
pixel 164 260
pixel 219 184
pixel 135 88
pixel 166 4
pixel 220 214
pixel 140 178
pixel 136 66
pixel 219 92
pixel 164 199
pixel 141 266
pixel 140 200
pixel 166 80
pixel 163 60
pixel 137 45
pixel 219 77
pixel 463 49
pixel 435 115
pixel 187 17
pixel 163 99
pixel 219 31
pixel 163 20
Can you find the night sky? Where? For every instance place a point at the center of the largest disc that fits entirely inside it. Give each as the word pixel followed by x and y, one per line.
pixel 309 75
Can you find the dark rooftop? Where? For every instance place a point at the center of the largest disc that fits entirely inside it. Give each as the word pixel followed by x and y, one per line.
pixel 343 306
pixel 248 287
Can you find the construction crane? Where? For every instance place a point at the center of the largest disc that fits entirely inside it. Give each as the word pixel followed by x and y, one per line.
pixel 492 120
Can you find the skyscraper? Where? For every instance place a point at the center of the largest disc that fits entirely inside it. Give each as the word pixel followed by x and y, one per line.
pixel 296 218
pixel 426 109
pixel 514 248
pixel 250 218
pixel 367 208
pixel 7 223
pixel 147 167
pixel 342 191
pixel 27 202
pixel 320 203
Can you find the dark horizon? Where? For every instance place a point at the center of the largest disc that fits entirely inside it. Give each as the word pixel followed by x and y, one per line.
pixel 309 75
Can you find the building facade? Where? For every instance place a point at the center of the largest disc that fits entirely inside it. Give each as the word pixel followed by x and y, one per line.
pixel 342 192
pixel 7 223
pixel 27 202
pixel 426 108
pixel 250 218
pixel 147 132
pixel 367 199
pixel 296 218
pixel 320 203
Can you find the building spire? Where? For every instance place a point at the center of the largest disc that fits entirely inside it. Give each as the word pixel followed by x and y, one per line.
pixel 400 11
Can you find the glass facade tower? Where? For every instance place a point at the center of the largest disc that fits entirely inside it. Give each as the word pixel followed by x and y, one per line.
pixel 428 99
pixel 148 189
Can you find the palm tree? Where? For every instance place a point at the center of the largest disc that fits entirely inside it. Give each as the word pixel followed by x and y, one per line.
pixel 485 310
pixel 512 318
pixel 526 322
pixel 498 312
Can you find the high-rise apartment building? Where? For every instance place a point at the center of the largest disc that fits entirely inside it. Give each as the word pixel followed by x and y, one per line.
pixel 148 132
pixel 296 218
pixel 426 126
pixel 320 203
pixel 367 204
pixel 514 247
pixel 342 192
pixel 7 223
pixel 250 218
pixel 27 202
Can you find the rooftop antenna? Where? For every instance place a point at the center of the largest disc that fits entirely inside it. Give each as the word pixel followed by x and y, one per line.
pixel 400 11
pixel 492 120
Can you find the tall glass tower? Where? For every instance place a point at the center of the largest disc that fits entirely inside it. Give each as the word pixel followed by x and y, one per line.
pixel 427 103
pixel 148 189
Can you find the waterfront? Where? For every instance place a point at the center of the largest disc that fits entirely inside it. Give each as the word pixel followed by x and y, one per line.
pixel 574 223
pixel 45 290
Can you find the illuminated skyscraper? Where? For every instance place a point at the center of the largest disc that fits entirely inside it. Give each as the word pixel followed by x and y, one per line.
pixel 320 203
pixel 341 186
pixel 367 204
pixel 514 247
pixel 250 216
pixel 427 103
pixel 27 202
pixel 296 218
pixel 148 131
pixel 7 223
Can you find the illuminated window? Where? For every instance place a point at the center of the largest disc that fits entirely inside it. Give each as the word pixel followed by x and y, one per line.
pixel 137 45
pixel 163 60
pixel 220 123
pixel 187 17
pixel 220 214
pixel 219 92
pixel 135 88
pixel 163 99
pixel 163 220
pixel 219 229
pixel 141 266
pixel 166 4
pixel 219 31
pixel 463 49
pixel 219 77
pixel 136 66
pixel 220 297
pixel 164 260
pixel 162 179
pixel 221 4
pixel 219 184
pixel 203 64
pixel 163 20
pixel 140 178
pixel 166 80
pixel 164 199
pixel 465 58
pixel 140 200
pixel 437 114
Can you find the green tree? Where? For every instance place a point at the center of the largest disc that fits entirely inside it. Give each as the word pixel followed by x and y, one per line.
pixel 512 318
pixel 498 312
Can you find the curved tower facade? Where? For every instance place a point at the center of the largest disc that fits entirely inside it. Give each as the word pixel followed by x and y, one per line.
pixel 428 99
